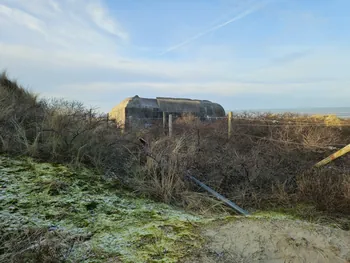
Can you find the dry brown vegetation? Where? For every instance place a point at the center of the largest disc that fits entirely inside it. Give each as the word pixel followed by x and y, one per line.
pixel 267 162
pixel 57 130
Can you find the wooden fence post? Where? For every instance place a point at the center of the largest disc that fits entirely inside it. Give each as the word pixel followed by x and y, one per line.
pixel 107 120
pixel 90 115
pixel 170 125
pixel 229 124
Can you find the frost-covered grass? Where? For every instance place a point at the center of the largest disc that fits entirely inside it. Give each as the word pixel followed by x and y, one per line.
pixel 105 224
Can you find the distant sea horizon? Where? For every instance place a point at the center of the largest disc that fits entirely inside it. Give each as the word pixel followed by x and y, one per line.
pixel 341 112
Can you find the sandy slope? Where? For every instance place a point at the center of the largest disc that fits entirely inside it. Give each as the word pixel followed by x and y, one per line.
pixel 262 240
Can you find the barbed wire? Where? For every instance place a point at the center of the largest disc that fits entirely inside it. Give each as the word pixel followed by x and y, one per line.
pixel 276 121
pixel 290 125
pixel 325 147
pixel 270 123
pixel 329 147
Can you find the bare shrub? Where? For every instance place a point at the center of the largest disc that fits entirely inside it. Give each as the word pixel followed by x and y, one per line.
pixel 162 175
pixel 257 167
pixel 20 111
pixel 327 189
pixel 188 119
pixel 58 130
pixel 259 164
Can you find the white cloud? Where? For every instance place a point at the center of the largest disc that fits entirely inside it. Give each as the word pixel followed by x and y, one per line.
pixel 323 68
pixel 74 60
pixel 240 15
pixel 22 18
pixel 100 16
pixel 219 88
pixel 63 24
pixel 38 8
pixel 77 48
pixel 55 5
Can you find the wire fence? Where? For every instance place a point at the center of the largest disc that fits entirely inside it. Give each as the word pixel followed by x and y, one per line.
pixel 343 113
pixel 145 123
pixel 330 147
pixel 273 130
pixel 256 122
pixel 233 126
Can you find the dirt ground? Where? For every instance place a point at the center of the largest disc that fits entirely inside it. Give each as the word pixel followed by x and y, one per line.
pixel 276 241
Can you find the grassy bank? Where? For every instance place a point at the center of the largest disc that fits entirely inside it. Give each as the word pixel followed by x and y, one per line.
pixel 50 213
pixel 72 202
pixel 267 162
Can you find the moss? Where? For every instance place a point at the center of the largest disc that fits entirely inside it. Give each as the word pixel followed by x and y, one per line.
pixel 121 226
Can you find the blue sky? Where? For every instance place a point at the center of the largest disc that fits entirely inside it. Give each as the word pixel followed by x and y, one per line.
pixel 243 54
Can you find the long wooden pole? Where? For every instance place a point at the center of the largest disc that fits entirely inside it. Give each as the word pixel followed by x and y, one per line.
pixel 90 115
pixel 334 156
pixel 229 124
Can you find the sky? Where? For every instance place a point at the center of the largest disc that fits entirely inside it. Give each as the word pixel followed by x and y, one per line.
pixel 243 54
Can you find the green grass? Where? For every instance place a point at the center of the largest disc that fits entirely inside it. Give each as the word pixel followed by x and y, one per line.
pixel 117 224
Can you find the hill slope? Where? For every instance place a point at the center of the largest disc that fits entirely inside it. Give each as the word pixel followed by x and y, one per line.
pixel 49 213
pixel 52 214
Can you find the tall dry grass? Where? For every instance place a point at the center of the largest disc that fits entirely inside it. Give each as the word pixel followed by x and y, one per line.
pixel 58 130
pixel 161 174
pixel 263 164
pixel 327 189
